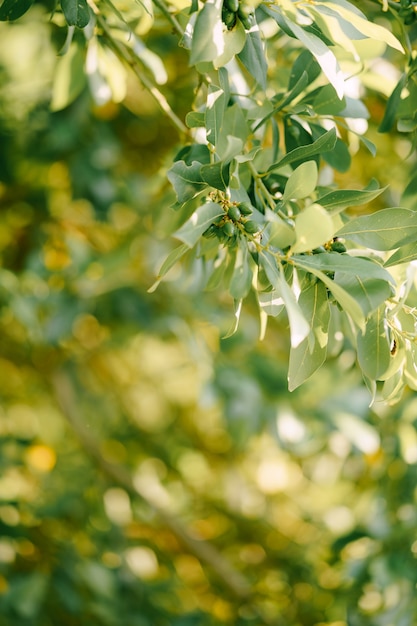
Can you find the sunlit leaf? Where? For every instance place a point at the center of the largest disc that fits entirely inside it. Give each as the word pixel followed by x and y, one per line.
pixel 207 39
pixel 302 182
pixel 199 221
pixel 310 354
pixel 313 228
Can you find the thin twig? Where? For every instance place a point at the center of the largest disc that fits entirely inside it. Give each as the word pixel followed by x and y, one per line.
pixel 164 9
pixel 129 57
pixel 202 549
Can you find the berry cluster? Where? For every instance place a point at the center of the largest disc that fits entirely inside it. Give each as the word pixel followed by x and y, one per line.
pixel 236 220
pixel 407 10
pixel 237 9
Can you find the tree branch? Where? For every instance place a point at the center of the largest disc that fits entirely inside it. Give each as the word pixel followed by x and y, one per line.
pixel 203 550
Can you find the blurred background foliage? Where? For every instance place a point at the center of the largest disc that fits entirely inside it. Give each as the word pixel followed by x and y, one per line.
pixel 153 473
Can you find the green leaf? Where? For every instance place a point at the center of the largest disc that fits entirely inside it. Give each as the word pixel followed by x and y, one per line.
pixel 241 280
pixel 234 41
pixel 172 258
pixel 334 262
pixel 340 199
pixel 13 9
pixel 392 106
pixel 313 228
pixel 269 264
pixel 409 196
pixel 207 40
pixel 369 293
pixel 305 62
pixel 310 354
pixel 200 220
pixel 346 301
pixel 322 53
pixel 216 175
pixel 374 354
pixel 195 119
pixel 253 57
pixel 302 182
pixel 216 106
pixel 299 327
pixel 233 328
pixel 405 254
pixel 271 302
pixel 69 78
pixel 339 158
pixel 76 12
pixel 186 179
pixel 384 230
pixel 327 102
pixel 323 144
pixel 369 29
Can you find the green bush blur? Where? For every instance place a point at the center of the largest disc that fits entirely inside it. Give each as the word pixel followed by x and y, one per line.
pixel 153 473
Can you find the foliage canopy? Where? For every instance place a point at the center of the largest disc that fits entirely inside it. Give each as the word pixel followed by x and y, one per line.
pixel 275 142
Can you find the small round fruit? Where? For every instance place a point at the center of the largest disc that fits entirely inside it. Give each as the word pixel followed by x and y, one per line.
pixel 232 5
pixel 234 213
pixel 338 246
pixel 319 250
pixel 229 229
pixel 251 227
pixel 245 208
pixel 229 18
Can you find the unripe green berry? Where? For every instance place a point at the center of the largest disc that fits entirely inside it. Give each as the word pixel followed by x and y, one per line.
pixel 229 229
pixel 251 227
pixel 229 18
pixel 232 5
pixel 338 246
pixel 234 213
pixel 245 208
